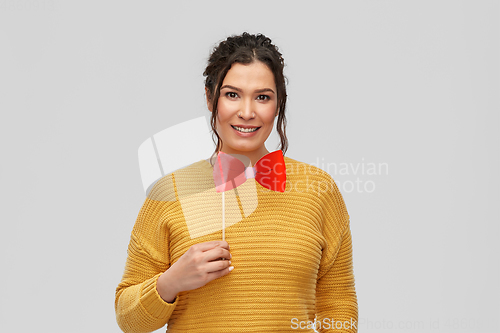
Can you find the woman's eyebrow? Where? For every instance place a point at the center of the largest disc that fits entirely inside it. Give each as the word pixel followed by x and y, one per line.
pixel 239 90
pixel 264 90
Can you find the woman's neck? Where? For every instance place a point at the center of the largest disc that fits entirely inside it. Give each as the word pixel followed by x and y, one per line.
pixel 253 156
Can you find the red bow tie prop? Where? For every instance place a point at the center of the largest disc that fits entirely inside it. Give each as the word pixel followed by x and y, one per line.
pixel 269 171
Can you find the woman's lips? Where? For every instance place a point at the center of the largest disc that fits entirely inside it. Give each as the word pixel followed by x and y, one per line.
pixel 245 134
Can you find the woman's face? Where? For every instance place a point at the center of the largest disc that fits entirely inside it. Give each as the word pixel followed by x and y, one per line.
pixel 246 109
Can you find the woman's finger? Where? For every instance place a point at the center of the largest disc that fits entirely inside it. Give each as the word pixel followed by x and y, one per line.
pixel 218 265
pixel 217 253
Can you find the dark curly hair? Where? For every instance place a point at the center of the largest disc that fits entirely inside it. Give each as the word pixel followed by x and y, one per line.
pixel 245 49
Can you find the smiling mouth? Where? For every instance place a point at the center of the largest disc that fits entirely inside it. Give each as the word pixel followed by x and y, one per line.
pixel 245 130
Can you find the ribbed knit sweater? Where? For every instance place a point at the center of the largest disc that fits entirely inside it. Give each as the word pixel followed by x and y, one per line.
pixel 291 253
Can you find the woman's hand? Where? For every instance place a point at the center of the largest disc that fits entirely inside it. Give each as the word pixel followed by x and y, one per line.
pixel 199 265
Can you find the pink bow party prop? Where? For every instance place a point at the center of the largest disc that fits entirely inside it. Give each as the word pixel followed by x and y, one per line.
pixel 269 171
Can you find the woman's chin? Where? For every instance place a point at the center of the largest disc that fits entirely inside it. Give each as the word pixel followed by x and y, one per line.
pixel 245 149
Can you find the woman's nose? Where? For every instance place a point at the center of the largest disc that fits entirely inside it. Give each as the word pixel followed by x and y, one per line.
pixel 246 110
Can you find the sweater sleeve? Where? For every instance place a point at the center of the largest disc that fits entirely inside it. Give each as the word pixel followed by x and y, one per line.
pixel 138 306
pixel 336 300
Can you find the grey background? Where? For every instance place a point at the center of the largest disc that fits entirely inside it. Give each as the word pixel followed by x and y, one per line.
pixel 413 85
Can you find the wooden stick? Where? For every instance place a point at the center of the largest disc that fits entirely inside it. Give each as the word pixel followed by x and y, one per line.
pixel 223 217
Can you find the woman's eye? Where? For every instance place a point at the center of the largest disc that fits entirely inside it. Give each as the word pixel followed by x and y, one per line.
pixel 263 97
pixel 231 94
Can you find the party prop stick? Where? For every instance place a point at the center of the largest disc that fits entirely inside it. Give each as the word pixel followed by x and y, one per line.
pixel 223 218
pixel 227 175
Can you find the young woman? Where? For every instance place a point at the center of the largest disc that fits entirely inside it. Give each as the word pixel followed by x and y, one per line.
pixel 287 261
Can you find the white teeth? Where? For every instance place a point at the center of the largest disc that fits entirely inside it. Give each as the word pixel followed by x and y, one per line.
pixel 246 130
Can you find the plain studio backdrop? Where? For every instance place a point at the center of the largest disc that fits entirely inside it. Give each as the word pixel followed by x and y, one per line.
pixel 397 100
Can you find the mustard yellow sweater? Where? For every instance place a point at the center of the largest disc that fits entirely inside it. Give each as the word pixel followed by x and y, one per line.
pixel 291 253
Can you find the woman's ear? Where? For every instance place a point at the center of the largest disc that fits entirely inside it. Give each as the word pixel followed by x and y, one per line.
pixel 209 103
